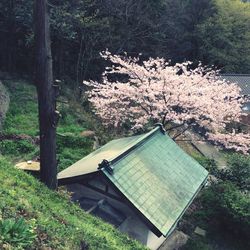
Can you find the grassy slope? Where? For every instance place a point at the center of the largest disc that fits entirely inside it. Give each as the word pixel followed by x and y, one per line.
pixel 22 119
pixel 60 224
pixel 57 220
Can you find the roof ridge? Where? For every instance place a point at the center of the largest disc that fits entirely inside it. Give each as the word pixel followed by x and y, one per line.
pixel 106 163
pixel 137 143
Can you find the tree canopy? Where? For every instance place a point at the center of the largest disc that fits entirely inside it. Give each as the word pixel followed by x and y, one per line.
pixel 135 93
pixel 215 32
pixel 225 37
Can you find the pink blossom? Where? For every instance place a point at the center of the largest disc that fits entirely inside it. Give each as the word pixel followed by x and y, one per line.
pixel 158 92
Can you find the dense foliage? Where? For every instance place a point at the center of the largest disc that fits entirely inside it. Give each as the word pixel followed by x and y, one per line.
pixel 226 208
pixel 225 36
pixel 223 207
pixel 212 31
pixel 238 171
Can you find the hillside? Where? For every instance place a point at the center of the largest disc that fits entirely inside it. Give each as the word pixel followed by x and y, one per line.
pixel 58 223
pixel 20 128
pixel 55 221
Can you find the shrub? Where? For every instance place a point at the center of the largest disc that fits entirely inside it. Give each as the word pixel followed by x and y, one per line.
pixel 71 149
pixel 73 141
pixel 238 171
pixel 227 208
pixel 11 147
pixel 196 244
pixel 17 233
pixel 208 163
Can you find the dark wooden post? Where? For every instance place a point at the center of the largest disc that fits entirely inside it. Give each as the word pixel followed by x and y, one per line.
pixel 11 46
pixel 46 95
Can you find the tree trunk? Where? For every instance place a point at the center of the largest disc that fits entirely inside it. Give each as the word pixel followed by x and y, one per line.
pixel 46 95
pixel 11 46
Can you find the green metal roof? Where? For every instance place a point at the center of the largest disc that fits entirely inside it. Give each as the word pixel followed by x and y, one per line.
pixel 151 171
pixel 89 164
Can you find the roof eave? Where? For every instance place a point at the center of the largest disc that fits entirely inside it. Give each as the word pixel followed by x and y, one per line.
pixel 75 179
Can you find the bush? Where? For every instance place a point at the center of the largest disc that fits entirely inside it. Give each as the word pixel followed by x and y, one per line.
pixel 71 149
pixel 227 209
pixel 17 233
pixel 238 171
pixel 224 212
pixel 11 147
pixel 196 244
pixel 208 163
pixel 73 141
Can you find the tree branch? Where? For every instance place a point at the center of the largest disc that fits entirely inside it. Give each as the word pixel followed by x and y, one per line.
pixel 181 132
pixel 178 126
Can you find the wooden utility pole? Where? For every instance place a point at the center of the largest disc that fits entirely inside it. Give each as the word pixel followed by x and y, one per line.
pixel 46 95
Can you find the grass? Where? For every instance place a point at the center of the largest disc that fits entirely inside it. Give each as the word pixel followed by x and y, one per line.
pixel 22 119
pixel 58 223
pixel 22 115
pixel 188 148
pixel 71 149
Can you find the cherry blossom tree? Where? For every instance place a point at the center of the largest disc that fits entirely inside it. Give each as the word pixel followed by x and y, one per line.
pixel 136 93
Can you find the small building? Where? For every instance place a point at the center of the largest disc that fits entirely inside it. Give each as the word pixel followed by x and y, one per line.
pixel 141 184
pixel 243 81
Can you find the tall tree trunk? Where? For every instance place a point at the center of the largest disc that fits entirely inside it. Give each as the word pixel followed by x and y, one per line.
pixel 61 59
pixel 46 95
pixel 11 37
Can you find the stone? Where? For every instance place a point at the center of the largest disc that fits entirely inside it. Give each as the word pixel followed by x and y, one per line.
pixel 88 133
pixel 96 144
pixel 29 165
pixel 175 241
pixel 200 231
